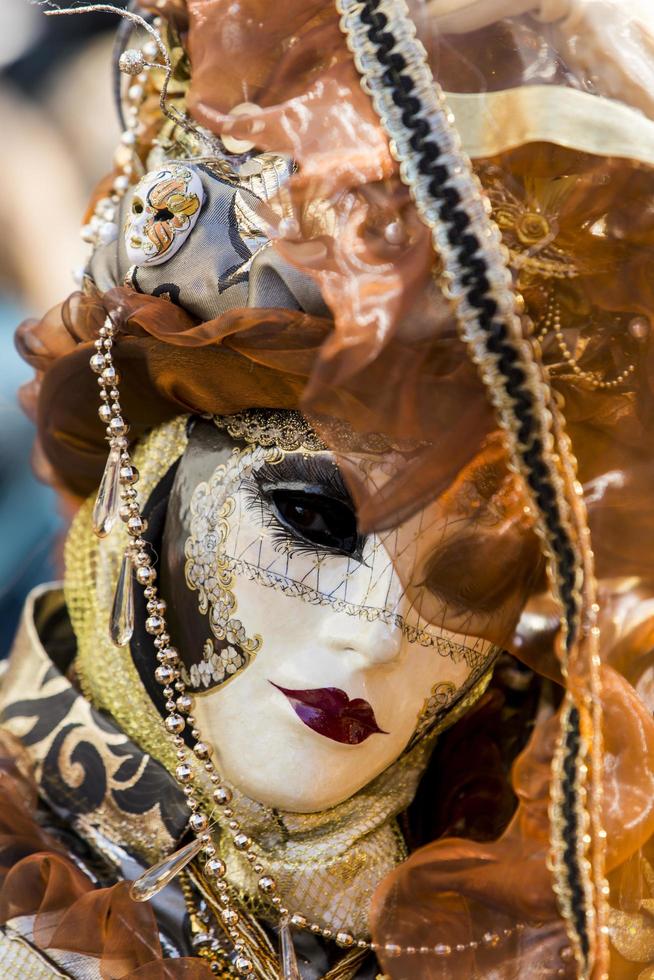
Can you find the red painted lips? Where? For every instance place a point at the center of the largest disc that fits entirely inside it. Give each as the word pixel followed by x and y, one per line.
pixel 329 711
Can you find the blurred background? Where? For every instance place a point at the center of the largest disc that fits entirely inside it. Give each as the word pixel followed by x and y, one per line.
pixel 58 130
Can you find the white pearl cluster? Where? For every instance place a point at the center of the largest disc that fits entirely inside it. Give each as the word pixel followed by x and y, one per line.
pixel 102 228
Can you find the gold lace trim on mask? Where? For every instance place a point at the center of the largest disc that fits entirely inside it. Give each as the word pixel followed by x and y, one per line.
pixel 290 431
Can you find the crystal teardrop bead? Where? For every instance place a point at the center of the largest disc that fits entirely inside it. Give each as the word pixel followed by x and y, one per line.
pixel 290 969
pixel 150 883
pixel 107 503
pixel 122 613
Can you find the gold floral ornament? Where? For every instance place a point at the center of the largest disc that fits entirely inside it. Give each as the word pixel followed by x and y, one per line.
pixel 441 696
pixel 207 571
pixel 530 218
pixel 568 229
pixel 164 208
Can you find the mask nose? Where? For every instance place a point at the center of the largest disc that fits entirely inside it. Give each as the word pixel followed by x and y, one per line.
pixel 374 642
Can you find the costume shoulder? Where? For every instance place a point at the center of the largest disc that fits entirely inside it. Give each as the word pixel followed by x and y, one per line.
pixel 19 958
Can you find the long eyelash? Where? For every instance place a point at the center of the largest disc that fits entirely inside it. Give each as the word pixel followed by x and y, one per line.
pixel 283 540
pixel 309 470
pixel 316 471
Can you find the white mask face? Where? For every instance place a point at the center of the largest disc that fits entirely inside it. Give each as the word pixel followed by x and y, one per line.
pixel 164 208
pixel 324 657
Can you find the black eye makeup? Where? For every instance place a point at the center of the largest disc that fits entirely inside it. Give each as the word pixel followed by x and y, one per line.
pixel 306 506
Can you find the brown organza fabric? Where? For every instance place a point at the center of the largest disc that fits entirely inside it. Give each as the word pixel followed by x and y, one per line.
pixel 250 358
pixel 580 231
pixel 40 880
pixel 170 364
pixel 174 11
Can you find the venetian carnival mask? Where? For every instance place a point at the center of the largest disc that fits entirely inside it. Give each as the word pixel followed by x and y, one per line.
pixel 165 206
pixel 308 647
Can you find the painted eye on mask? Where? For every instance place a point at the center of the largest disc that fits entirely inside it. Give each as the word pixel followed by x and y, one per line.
pixel 317 519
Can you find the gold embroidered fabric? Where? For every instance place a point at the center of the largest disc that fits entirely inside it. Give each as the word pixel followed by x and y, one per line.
pixel 328 864
pixel 86 769
pixel 20 961
pixel 289 430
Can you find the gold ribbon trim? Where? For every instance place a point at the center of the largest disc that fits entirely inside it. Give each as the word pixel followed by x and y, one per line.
pixel 491 123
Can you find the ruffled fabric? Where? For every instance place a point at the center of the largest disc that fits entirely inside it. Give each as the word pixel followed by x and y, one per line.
pixel 39 880
pixel 470 898
pixel 246 357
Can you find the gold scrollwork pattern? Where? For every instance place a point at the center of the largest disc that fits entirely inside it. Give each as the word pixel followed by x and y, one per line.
pixel 210 573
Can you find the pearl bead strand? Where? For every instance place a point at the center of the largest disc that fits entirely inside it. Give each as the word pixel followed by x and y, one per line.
pixel 102 228
pixel 551 323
